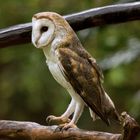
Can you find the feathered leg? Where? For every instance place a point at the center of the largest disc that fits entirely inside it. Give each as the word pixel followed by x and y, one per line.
pixel 64 118
pixel 77 113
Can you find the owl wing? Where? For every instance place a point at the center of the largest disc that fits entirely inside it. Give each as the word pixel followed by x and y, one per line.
pixel 83 73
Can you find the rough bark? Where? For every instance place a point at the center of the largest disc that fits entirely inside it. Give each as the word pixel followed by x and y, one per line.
pixel 20 34
pixel 14 130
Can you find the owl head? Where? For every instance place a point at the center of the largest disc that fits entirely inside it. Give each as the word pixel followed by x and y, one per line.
pixel 47 26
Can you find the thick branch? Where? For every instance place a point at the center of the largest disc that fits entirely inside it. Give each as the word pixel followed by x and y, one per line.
pixel 30 130
pixel 10 130
pixel 113 14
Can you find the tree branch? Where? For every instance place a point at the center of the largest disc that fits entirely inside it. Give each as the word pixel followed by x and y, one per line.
pixel 10 130
pixel 20 34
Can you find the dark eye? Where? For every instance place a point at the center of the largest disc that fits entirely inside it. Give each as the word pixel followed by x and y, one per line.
pixel 44 29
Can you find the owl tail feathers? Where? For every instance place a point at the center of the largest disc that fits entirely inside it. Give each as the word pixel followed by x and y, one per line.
pixel 102 117
pixel 107 121
pixel 110 115
pixel 109 109
pixel 114 115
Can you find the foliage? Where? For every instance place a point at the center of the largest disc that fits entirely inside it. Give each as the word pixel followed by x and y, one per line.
pixel 27 89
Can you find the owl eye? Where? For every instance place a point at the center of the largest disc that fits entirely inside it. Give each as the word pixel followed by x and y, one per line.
pixel 44 29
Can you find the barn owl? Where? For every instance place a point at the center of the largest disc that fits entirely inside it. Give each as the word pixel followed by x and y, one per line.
pixel 73 68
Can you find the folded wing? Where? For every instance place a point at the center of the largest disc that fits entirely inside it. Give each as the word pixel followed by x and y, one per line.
pixel 85 76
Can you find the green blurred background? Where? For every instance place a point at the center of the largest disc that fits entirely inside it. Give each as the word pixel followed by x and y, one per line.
pixel 28 92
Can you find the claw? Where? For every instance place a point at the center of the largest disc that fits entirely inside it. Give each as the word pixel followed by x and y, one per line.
pixel 59 128
pixel 68 126
pixel 49 119
pixel 57 120
pixel 65 127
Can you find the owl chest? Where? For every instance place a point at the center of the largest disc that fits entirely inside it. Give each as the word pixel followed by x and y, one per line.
pixel 54 66
pixel 56 70
pixel 57 73
pixel 60 78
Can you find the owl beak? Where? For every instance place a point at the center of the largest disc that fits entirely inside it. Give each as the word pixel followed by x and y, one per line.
pixel 37 45
pixel 35 42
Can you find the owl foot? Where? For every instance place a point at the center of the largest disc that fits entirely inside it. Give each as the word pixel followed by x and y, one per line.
pixel 57 120
pixel 66 126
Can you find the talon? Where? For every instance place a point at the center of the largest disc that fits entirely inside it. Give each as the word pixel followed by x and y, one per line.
pixel 66 126
pixel 59 128
pixel 57 120
pixel 50 118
